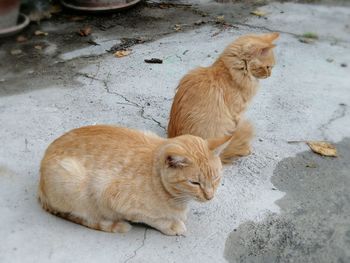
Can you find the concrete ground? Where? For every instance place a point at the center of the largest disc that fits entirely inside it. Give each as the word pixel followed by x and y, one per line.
pixel 71 81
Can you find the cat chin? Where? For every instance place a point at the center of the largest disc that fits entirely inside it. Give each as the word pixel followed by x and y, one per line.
pixel 261 77
pixel 200 200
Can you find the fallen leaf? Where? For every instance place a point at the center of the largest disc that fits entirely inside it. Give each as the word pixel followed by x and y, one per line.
pixel 85 31
pixel 258 13
pixel 163 6
pixel 199 22
pixel 177 27
pixel 37 15
pixel 77 18
pixel 38 47
pixel 16 52
pixel 21 39
pixel 310 35
pixel 54 9
pixel 40 33
pixel 323 148
pixel 122 53
pixel 220 19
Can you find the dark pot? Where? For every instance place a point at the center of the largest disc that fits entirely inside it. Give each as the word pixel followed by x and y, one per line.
pixel 9 10
pixel 98 5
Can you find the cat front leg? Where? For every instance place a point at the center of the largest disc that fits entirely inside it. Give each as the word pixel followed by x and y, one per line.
pixel 170 227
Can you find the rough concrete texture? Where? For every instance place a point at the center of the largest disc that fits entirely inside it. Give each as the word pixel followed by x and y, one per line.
pixel 314 225
pixel 45 93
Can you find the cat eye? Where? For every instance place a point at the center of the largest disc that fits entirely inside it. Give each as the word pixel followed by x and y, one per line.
pixel 193 182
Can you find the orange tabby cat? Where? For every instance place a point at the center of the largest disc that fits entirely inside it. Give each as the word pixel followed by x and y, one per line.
pixel 209 101
pixel 103 176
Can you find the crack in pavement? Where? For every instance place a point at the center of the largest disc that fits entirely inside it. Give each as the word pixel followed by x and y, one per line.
pixel 127 101
pixel 141 246
pixel 339 113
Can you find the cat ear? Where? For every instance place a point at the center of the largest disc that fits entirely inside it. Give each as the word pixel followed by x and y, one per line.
pixel 270 37
pixel 176 161
pixel 264 51
pixel 217 145
pixel 258 49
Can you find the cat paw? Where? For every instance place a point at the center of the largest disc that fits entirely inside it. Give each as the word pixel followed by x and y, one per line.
pixel 177 228
pixel 247 151
pixel 117 226
pixel 121 227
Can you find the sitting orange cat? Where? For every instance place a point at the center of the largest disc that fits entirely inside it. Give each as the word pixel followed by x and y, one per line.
pixel 209 101
pixel 104 176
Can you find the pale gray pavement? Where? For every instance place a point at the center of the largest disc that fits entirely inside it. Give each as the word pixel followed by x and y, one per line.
pixel 71 83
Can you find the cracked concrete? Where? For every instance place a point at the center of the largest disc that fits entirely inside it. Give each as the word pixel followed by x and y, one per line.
pixel 42 95
pixel 137 249
pixel 338 114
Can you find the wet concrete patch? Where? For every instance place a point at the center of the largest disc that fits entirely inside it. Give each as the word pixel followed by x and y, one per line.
pixel 314 225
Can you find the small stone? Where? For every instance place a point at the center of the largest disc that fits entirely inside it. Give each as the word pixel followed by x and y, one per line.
pixel 330 60
pixel 311 165
pixel 306 40
pixel 273 188
pixel 21 39
pixel 40 33
pixel 343 65
pixel 38 47
pixel 154 61
pixel 261 140
pixel 16 52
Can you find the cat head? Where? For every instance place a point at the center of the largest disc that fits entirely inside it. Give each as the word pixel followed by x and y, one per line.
pixel 190 167
pixel 252 54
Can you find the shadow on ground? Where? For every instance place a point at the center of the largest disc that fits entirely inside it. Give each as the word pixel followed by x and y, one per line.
pixel 314 225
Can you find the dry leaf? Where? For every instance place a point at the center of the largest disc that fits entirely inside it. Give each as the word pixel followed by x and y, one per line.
pixel 21 39
pixel 258 13
pixel 323 148
pixel 163 6
pixel 85 31
pixel 220 19
pixel 16 52
pixel 54 9
pixel 199 22
pixel 177 27
pixel 40 33
pixel 122 53
pixel 77 18
pixel 37 15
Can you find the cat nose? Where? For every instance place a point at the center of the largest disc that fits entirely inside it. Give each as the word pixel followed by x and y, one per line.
pixel 209 194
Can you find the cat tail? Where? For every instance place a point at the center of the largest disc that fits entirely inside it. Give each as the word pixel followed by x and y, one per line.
pixel 240 142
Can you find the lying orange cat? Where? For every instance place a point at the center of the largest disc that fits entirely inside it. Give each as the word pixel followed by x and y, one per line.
pixel 209 102
pixel 104 176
